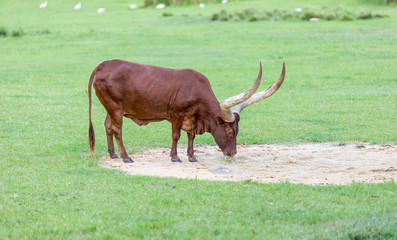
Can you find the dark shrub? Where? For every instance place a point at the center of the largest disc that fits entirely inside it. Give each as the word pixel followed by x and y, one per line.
pixel 252 15
pixel 381 1
pixel 286 15
pixel 240 15
pixel 330 17
pixel 249 12
pixel 377 15
pixel 254 18
pixel 3 32
pixel 224 16
pixel 215 17
pixel 346 18
pixel 307 14
pixel 148 3
pixel 45 31
pixel 17 33
pixel 365 15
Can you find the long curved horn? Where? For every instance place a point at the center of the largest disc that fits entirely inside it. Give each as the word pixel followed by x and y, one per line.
pixel 259 96
pixel 233 101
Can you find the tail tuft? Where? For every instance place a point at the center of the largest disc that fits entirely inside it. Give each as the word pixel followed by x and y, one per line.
pixel 91 139
pixel 91 134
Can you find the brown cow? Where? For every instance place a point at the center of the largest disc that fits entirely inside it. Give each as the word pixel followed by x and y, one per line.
pixel 183 97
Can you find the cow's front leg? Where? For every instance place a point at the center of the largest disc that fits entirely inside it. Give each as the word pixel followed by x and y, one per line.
pixel 176 134
pixel 190 151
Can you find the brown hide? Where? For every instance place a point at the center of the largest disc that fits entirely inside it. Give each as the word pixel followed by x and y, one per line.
pixel 147 94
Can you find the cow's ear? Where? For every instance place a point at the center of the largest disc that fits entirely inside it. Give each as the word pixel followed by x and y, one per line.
pixel 236 117
pixel 220 120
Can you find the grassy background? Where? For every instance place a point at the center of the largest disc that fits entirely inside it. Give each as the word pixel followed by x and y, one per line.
pixel 341 86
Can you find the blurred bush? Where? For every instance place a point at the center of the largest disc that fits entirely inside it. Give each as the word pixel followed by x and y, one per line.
pixel 381 1
pixel 17 33
pixel 3 31
pixel 14 33
pixel 325 13
pixel 148 3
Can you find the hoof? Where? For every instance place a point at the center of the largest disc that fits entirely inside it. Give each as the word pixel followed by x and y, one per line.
pixel 176 160
pixel 114 156
pixel 194 159
pixel 129 160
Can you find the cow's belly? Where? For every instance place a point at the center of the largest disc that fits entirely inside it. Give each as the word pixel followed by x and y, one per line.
pixel 144 116
pixel 143 122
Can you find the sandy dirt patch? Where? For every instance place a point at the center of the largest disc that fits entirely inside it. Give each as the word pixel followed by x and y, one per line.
pixel 315 164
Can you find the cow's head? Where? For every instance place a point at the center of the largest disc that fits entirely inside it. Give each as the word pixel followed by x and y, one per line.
pixel 226 130
pixel 225 134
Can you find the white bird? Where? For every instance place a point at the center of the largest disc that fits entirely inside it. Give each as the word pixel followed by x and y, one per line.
pixel 202 5
pixel 78 6
pixel 298 9
pixel 44 4
pixel 224 2
pixel 133 6
pixel 160 6
pixel 101 10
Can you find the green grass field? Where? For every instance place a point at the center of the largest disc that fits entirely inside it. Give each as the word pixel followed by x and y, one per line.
pixel 341 86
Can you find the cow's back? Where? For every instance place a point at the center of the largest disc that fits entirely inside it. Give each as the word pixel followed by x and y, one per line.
pixel 148 92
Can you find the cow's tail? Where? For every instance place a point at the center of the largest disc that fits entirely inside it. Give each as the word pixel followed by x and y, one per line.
pixel 91 134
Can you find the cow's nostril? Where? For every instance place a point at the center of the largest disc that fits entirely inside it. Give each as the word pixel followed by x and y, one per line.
pixel 229 154
pixel 226 153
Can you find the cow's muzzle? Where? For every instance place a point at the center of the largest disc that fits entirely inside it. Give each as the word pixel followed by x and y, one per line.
pixel 229 153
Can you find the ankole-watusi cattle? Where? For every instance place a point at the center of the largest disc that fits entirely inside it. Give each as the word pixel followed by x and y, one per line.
pixel 183 97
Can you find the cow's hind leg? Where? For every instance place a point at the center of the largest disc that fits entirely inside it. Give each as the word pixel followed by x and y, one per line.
pixel 117 123
pixel 109 135
pixel 190 151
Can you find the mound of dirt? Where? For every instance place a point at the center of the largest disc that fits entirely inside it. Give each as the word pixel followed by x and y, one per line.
pixel 315 164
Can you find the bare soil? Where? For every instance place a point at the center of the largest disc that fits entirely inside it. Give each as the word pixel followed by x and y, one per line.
pixel 311 163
